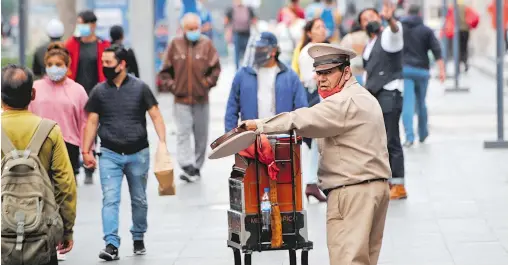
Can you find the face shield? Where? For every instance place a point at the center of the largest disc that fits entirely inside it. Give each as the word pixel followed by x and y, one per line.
pixel 258 52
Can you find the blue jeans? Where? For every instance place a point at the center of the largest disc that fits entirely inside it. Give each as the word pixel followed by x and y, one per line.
pixel 240 40
pixel 416 81
pixel 113 166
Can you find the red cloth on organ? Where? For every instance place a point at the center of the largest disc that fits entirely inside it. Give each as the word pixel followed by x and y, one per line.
pixel 265 155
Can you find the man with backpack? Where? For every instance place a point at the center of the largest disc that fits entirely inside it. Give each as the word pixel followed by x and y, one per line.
pixel 328 12
pixel 239 18
pixel 38 187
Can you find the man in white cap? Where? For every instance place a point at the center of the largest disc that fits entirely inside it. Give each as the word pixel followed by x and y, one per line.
pixel 55 32
pixel 353 167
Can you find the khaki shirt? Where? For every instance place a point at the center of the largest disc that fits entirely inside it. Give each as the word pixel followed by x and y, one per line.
pixel 20 126
pixel 351 131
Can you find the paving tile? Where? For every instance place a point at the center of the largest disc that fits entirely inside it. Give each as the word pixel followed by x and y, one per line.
pixel 466 230
pixel 484 253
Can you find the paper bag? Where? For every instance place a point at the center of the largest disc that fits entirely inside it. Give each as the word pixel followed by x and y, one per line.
pixel 163 170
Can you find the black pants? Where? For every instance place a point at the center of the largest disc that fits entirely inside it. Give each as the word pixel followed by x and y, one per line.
pixel 391 104
pixel 73 151
pixel 463 44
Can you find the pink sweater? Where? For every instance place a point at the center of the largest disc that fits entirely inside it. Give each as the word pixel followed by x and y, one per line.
pixel 63 103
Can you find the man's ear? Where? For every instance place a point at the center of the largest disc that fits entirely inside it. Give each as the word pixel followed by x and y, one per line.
pixel 33 94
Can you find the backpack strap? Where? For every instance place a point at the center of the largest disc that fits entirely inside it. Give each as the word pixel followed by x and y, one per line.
pixel 40 135
pixel 7 146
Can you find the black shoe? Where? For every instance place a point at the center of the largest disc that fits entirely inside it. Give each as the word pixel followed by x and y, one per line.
pixel 139 247
pixel 88 177
pixel 109 253
pixel 189 174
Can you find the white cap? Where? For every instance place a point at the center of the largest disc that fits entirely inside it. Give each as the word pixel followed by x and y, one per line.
pixel 55 28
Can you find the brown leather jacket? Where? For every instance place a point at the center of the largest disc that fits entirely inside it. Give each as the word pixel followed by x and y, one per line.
pixel 189 70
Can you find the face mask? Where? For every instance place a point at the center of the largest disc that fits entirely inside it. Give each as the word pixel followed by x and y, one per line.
pixel 110 72
pixel 82 30
pixel 374 27
pixel 334 90
pixel 56 73
pixel 193 35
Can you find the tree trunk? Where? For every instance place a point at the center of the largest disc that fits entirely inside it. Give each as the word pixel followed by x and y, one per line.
pixel 67 13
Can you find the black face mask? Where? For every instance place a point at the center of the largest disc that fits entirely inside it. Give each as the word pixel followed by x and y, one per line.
pixel 374 27
pixel 110 72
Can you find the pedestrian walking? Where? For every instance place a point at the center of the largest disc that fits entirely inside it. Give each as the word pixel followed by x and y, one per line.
pixel 85 50
pixel 66 98
pixel 55 32
pixel 117 37
pixel 383 69
pixel 238 20
pixel 190 69
pixel 51 182
pixel 119 105
pixel 314 32
pixel 356 40
pixel 263 89
pixel 352 174
pixel 418 41
pixel 289 33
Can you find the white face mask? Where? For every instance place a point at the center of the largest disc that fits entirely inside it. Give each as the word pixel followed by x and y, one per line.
pixel 56 73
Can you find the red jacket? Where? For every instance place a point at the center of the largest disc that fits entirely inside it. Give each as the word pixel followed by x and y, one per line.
pixel 73 46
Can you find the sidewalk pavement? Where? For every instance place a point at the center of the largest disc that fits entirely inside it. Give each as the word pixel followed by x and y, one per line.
pixel 456 213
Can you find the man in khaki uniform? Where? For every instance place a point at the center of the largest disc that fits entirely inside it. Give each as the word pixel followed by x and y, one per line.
pixel 353 166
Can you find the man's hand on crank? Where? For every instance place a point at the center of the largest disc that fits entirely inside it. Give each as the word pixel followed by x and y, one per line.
pixel 249 125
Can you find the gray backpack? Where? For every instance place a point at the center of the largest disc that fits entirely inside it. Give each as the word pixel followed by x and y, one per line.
pixel 31 222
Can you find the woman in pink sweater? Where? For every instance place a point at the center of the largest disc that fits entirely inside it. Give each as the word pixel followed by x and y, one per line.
pixel 61 99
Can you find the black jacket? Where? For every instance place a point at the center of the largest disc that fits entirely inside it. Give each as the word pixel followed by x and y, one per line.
pixel 132 64
pixel 418 40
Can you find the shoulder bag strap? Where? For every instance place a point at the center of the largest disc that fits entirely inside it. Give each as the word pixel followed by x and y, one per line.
pixel 7 146
pixel 42 132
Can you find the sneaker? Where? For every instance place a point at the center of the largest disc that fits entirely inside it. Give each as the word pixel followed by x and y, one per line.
pixel 189 174
pixel 398 192
pixel 109 253
pixel 88 177
pixel 407 144
pixel 139 247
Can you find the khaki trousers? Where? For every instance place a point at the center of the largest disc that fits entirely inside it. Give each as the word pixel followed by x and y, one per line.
pixel 355 221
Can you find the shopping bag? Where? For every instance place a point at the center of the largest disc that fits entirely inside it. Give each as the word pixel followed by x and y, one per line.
pixel 472 18
pixel 163 169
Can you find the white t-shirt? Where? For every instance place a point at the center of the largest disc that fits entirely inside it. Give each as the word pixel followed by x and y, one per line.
pixel 266 91
pixel 390 42
pixel 288 38
pixel 306 64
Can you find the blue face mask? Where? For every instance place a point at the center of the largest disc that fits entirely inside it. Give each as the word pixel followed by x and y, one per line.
pixel 193 35
pixel 83 30
pixel 56 73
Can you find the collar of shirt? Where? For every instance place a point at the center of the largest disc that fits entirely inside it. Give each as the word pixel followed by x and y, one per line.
pixel 112 84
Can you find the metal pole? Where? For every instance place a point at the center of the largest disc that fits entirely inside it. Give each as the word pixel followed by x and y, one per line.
pixel 500 65
pixel 456 50
pixel 456 45
pixel 22 31
pixel 500 49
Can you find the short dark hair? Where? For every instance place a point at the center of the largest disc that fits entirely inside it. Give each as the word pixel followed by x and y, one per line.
pixel 414 10
pixel 364 10
pixel 17 86
pixel 116 33
pixel 88 16
pixel 120 52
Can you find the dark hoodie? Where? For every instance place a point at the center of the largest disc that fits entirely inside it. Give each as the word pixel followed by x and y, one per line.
pixel 418 40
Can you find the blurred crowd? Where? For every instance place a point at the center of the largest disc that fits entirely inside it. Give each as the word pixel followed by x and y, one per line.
pixel 91 88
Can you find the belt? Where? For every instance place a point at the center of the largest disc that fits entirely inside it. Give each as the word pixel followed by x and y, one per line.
pixel 327 191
